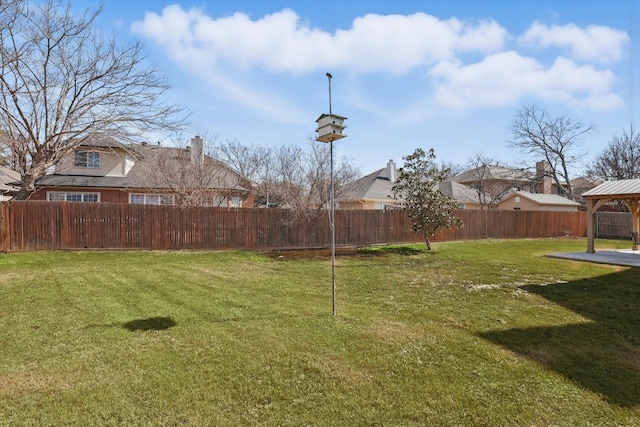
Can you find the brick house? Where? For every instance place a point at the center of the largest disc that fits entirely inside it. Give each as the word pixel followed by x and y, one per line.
pixel 103 170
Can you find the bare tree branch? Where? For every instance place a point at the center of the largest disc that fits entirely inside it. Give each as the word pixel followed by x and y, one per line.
pixel 62 82
pixel 620 159
pixel 195 178
pixel 289 176
pixel 491 181
pixel 554 139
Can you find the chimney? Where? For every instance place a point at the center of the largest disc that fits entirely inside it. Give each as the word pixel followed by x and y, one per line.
pixel 543 176
pixel 392 173
pixel 197 150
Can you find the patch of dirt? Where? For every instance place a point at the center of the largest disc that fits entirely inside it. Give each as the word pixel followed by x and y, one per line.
pixel 289 255
pixel 345 251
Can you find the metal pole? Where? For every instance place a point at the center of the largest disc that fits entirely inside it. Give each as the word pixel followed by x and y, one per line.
pixel 333 239
pixel 332 224
pixel 329 76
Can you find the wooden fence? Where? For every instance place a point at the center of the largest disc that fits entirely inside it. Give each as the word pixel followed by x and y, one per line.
pixel 615 225
pixel 36 225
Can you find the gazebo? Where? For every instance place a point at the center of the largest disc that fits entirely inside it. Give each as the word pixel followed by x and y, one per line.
pixel 625 190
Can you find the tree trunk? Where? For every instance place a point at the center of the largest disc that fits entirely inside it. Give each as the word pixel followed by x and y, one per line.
pixel 425 234
pixel 27 188
pixel 22 194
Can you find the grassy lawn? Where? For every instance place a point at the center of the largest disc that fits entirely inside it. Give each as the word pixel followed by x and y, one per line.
pixel 473 333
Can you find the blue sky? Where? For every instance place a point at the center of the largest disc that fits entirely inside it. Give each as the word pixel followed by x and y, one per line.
pixel 443 74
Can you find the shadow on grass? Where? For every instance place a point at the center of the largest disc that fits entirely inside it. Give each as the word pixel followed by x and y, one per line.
pixel 603 355
pixel 150 324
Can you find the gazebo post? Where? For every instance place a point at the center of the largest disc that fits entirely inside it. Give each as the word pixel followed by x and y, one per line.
pixel 634 208
pixel 590 225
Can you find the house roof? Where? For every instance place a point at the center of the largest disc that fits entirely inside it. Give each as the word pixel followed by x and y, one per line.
pixel 585 182
pixel 102 141
pixel 622 187
pixel 492 172
pixel 142 174
pixel 460 192
pixel 544 199
pixel 8 178
pixel 375 186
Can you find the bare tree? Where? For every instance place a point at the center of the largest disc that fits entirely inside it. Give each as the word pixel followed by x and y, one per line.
pixel 620 159
pixel 291 176
pixel 62 82
pixel 318 171
pixel 194 177
pixel 553 139
pixel 450 169
pixel 491 181
pixel 301 176
pixel 248 159
pixel 253 161
pixel 288 178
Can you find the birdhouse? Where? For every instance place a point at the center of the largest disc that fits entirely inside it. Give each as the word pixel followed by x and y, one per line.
pixel 330 127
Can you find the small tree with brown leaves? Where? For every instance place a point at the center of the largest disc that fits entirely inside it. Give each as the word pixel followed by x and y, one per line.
pixel 417 189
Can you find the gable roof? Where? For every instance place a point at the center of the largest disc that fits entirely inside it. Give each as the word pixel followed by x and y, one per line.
pixel 459 192
pixel 141 175
pixel 584 182
pixel 621 187
pixel 493 172
pixel 544 199
pixel 375 186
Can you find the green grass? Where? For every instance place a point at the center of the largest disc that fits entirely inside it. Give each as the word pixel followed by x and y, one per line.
pixel 473 333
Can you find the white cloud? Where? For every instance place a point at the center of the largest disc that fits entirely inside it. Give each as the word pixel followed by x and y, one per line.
pixel 231 54
pixel 280 42
pixel 506 78
pixel 595 43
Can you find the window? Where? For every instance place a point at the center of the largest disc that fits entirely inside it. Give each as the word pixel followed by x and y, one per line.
pixel 87 159
pixel 219 201
pixel 151 199
pixel 61 196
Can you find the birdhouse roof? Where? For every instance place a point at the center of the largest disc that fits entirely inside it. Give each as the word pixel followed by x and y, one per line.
pixel 323 115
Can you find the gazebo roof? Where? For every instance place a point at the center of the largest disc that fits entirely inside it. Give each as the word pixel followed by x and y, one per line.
pixel 627 190
pixel 610 189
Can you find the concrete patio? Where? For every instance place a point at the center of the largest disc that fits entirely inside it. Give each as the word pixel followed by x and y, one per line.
pixel 623 257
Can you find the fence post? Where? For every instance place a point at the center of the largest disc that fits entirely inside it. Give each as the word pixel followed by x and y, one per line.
pixel 5 244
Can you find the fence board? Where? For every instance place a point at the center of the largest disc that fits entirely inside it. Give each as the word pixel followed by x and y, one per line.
pixel 613 224
pixel 36 225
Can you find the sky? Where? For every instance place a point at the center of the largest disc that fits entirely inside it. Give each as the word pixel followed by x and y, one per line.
pixel 443 74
